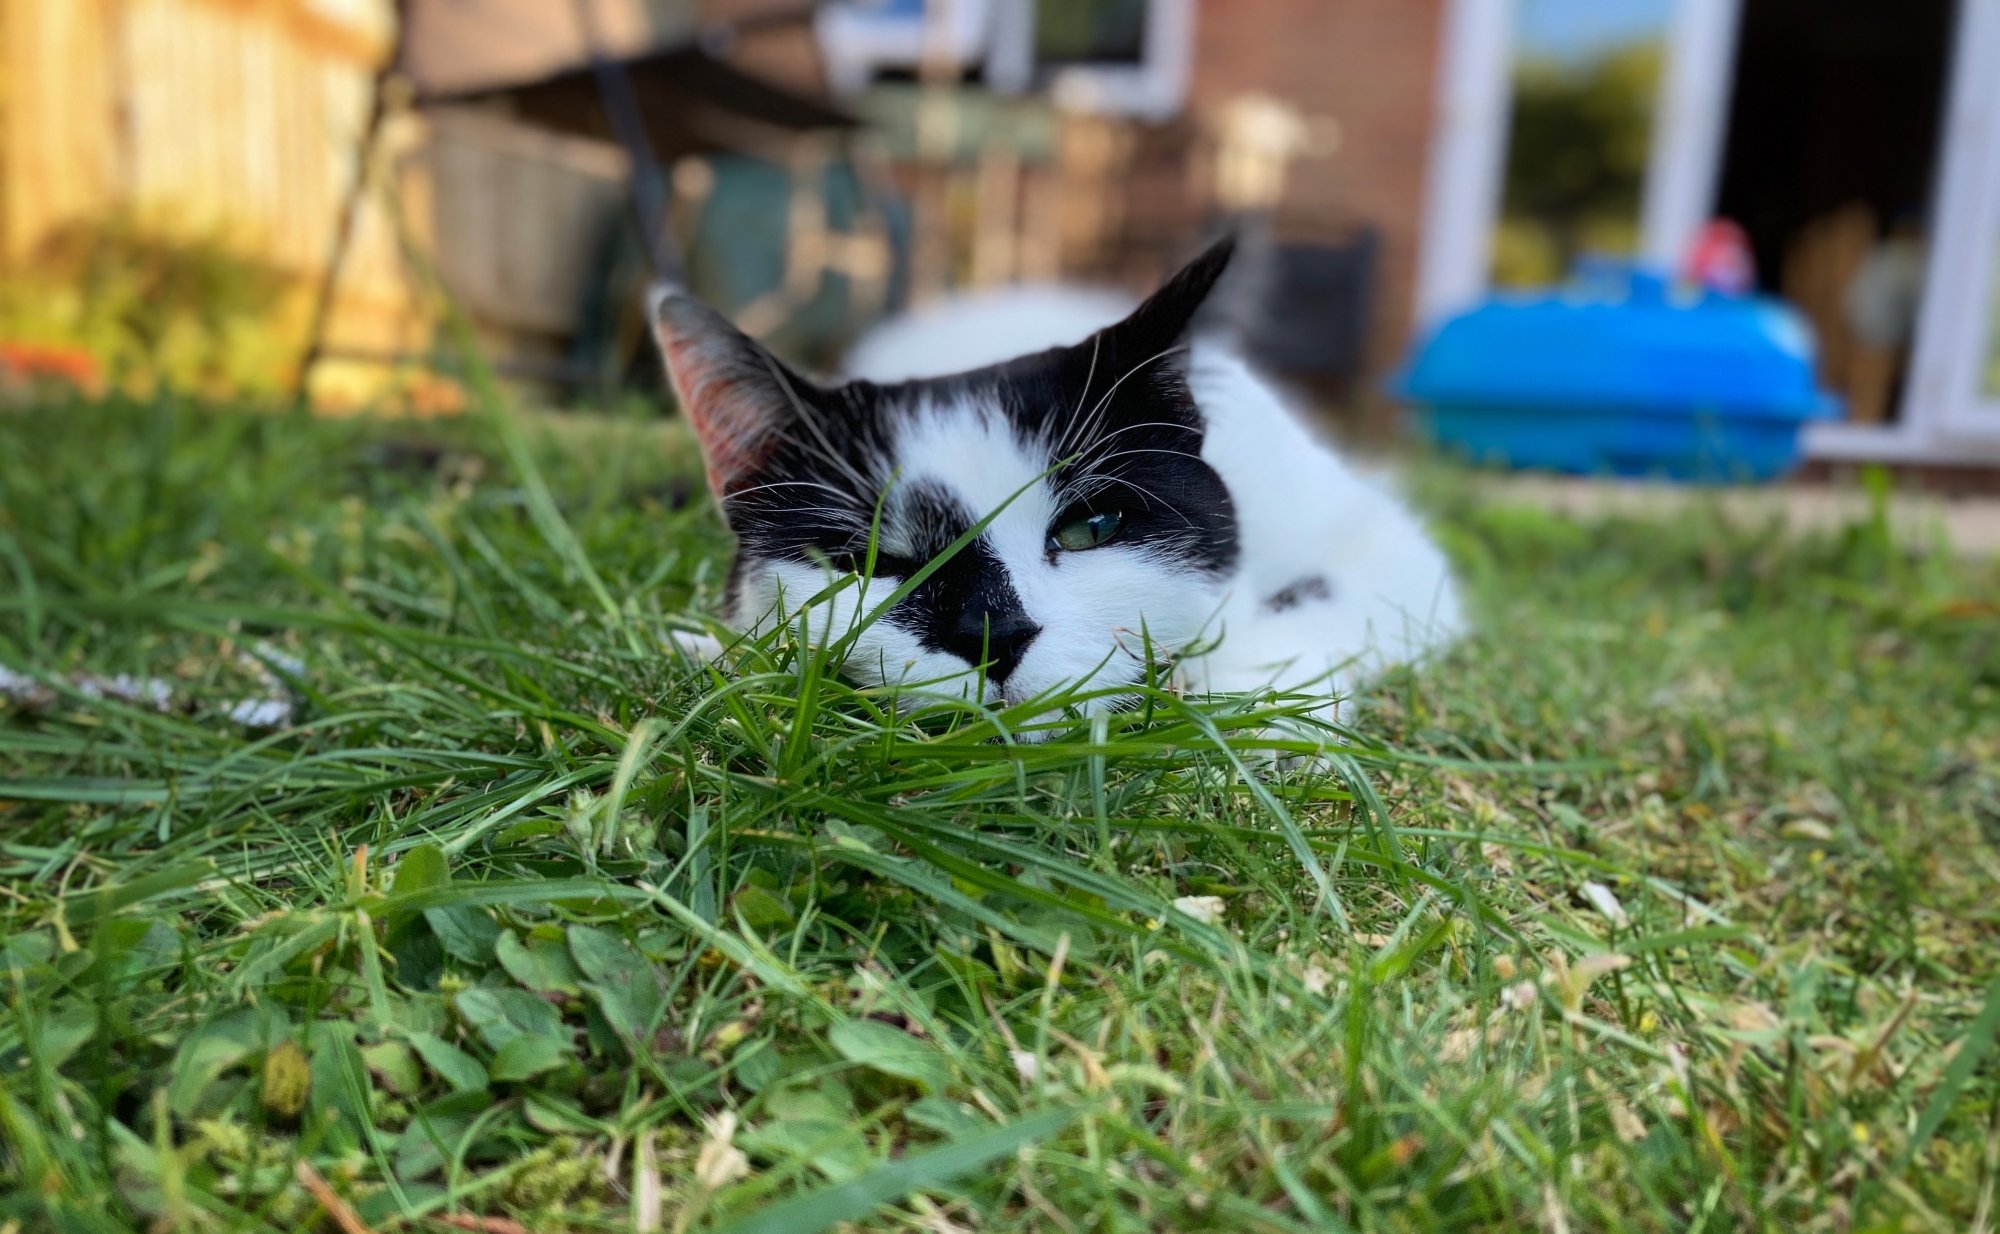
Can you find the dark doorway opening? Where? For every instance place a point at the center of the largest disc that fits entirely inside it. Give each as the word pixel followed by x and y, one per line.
pixel 1830 166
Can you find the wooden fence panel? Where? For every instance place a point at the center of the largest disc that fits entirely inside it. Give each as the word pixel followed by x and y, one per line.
pixel 58 148
pixel 517 217
pixel 194 117
pixel 240 119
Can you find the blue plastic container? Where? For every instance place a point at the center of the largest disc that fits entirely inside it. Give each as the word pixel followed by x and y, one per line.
pixel 1618 375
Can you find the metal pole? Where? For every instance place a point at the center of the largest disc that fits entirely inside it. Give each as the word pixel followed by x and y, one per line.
pixel 350 207
pixel 628 126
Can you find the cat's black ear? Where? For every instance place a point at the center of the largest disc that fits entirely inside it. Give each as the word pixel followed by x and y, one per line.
pixel 737 395
pixel 1163 321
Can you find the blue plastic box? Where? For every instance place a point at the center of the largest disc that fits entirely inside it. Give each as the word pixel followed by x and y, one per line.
pixel 1618 374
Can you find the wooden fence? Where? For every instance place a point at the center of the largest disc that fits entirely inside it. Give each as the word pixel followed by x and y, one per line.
pixel 240 120
pixel 203 117
pixel 515 218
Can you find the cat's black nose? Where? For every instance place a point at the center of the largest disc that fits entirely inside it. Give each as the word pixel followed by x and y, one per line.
pixel 998 640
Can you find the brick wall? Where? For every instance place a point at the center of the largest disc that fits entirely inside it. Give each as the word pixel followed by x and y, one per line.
pixel 1370 65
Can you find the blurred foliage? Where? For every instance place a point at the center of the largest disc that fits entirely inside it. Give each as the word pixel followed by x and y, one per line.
pixel 157 312
pixel 1576 162
pixel 31 374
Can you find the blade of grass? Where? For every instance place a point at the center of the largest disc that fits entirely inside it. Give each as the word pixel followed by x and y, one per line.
pixel 857 1198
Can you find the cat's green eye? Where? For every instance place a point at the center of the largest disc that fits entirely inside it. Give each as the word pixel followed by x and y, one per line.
pixel 1085 533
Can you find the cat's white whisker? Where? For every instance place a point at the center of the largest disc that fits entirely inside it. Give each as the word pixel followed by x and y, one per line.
pixel 1149 498
pixel 753 490
pixel 1134 428
pixel 810 419
pixel 836 516
pixel 819 451
pixel 1097 412
pixel 1063 442
pixel 1133 451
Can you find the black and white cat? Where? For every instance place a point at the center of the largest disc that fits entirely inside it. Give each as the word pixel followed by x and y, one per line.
pixel 1147 494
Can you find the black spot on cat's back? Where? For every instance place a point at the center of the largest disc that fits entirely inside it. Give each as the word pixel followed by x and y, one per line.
pixel 1301 591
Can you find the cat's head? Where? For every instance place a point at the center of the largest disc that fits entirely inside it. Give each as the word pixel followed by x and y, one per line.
pixel 1108 533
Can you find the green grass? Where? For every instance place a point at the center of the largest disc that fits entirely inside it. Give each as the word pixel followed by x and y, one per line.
pixel 1667 902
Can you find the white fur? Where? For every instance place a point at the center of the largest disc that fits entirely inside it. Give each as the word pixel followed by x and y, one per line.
pixel 1302 512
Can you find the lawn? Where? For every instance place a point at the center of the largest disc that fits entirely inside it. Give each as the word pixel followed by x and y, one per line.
pixel 1666 903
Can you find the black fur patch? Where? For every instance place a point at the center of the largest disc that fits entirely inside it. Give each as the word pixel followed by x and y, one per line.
pixel 815 493
pixel 1290 596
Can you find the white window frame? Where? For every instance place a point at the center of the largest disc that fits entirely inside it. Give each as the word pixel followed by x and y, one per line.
pixel 1690 128
pixel 1154 89
pixel 1956 319
pixel 1000 36
pixel 1473 104
pixel 856 43
pixel 1946 417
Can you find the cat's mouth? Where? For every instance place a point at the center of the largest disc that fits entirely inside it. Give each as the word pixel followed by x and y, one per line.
pixel 1105 691
pixel 1101 690
pixel 1055 699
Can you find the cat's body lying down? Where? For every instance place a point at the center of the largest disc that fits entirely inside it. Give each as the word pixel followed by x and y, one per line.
pixel 1144 494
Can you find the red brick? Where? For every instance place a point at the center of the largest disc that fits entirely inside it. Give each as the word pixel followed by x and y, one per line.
pixel 1369 65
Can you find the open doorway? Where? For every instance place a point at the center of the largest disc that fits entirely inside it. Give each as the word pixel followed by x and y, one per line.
pixel 1830 166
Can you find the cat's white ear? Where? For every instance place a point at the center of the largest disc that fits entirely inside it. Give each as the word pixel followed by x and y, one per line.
pixel 737 396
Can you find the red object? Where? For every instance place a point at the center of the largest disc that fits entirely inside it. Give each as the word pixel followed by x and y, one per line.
pixel 71 366
pixel 1720 259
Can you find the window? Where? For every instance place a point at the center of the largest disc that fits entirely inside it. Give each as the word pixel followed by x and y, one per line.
pixel 1069 32
pixel 1116 57
pixel 1584 77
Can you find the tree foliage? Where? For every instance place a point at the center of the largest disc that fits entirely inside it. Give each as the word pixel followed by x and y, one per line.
pixel 1576 160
